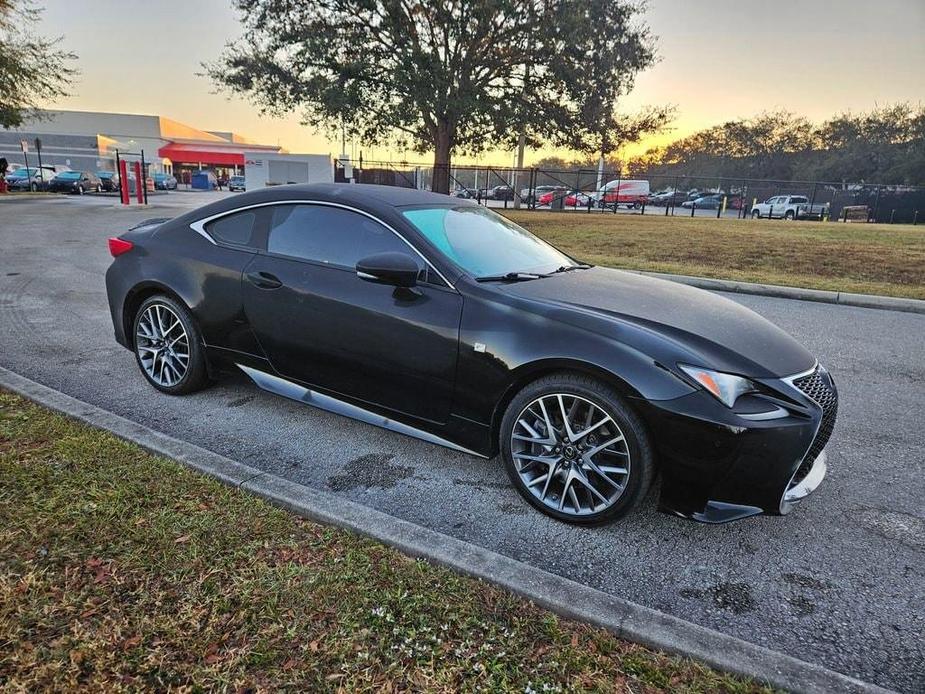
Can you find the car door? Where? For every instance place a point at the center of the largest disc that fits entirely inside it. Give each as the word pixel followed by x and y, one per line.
pixel 321 324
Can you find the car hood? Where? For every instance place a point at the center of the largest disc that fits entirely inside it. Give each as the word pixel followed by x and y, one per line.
pixel 722 332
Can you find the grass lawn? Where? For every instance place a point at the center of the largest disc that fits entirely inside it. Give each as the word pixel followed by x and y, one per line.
pixel 121 570
pixel 864 258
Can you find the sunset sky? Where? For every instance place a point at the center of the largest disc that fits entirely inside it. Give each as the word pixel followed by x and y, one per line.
pixel 718 60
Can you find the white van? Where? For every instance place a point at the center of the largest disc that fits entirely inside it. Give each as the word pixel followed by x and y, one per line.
pixel 623 192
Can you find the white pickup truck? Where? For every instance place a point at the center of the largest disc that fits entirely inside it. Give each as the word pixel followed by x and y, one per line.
pixel 788 207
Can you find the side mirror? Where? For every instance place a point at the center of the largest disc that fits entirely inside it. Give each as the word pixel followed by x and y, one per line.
pixel 397 269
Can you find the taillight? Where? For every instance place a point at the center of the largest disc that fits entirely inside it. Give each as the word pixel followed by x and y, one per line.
pixel 119 246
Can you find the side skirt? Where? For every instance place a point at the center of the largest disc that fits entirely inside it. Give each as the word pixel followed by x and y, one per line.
pixel 293 391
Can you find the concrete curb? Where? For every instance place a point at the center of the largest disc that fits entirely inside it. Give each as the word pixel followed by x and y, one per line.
pixel 561 595
pixel 889 303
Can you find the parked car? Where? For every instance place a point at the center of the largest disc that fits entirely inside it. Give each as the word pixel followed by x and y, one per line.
pixel 79 182
pixel 501 193
pixel 32 178
pixel 465 193
pixel 554 192
pixel 579 198
pixel 164 181
pixel 623 192
pixel 457 326
pixel 532 196
pixel 705 202
pixel 667 198
pixel 109 180
pixel 236 183
pixel 788 207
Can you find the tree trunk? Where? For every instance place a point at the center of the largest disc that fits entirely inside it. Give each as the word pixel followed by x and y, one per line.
pixel 442 147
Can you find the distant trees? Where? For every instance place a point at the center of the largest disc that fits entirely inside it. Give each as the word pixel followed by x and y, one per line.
pixel 448 76
pixel 885 145
pixel 33 69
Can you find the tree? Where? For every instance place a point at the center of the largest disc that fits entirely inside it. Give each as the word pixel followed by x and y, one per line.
pixel 446 76
pixel 604 49
pixel 33 70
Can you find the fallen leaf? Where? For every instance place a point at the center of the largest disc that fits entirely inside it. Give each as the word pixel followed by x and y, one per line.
pixel 313 646
pixel 181 539
pixel 131 642
pixel 212 659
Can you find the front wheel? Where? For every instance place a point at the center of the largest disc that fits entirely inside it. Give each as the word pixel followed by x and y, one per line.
pixel 756 214
pixel 169 347
pixel 575 451
pixel 790 215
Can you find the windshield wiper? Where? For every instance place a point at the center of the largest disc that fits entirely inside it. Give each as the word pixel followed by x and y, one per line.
pixel 568 268
pixel 511 277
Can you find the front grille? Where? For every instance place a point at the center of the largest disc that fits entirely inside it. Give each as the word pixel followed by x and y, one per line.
pixel 818 387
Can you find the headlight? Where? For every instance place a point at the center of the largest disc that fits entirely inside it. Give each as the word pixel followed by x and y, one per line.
pixel 724 387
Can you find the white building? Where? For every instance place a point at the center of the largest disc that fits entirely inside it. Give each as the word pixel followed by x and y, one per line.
pixel 87 140
pixel 262 168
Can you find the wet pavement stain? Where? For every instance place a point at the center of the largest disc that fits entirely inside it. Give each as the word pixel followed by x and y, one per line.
pixel 802 605
pixel 368 471
pixel 735 597
pixel 804 581
pixel 241 401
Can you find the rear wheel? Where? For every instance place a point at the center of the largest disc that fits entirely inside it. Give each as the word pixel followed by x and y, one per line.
pixel 575 451
pixel 168 346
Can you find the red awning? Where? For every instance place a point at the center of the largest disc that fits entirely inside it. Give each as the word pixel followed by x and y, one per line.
pixel 191 153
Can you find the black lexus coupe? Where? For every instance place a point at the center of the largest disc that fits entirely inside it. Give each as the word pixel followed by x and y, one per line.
pixel 437 318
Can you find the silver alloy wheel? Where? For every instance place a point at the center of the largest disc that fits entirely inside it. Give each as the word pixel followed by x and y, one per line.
pixel 162 345
pixel 570 454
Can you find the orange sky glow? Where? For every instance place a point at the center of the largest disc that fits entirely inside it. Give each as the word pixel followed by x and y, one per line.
pixel 719 60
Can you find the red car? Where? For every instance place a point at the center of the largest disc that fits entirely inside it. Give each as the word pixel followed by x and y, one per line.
pixel 548 197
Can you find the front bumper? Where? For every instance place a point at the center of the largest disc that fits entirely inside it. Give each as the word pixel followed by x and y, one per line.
pixel 717 466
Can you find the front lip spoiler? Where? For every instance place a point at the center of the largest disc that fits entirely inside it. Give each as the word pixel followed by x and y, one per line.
pixel 806 486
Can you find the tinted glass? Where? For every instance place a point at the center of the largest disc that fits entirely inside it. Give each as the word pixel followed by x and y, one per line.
pixel 484 243
pixel 329 235
pixel 798 199
pixel 237 229
pixel 69 175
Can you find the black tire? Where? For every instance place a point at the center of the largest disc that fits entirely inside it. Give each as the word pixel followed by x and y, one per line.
pixel 638 444
pixel 197 374
pixel 34 187
pixel 790 215
pixel 80 190
pixel 756 214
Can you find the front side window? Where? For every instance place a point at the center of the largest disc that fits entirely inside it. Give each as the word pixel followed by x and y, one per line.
pixel 329 235
pixel 236 229
pixel 484 243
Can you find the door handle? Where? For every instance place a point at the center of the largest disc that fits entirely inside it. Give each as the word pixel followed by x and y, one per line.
pixel 264 280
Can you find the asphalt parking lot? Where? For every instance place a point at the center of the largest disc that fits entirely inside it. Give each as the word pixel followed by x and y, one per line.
pixel 840 582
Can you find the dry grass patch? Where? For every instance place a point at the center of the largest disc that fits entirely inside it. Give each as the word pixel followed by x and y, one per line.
pixel 864 258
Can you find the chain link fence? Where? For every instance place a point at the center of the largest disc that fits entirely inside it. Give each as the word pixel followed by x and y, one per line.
pixel 590 191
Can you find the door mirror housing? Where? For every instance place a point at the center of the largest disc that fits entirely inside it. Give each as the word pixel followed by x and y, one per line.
pixel 396 269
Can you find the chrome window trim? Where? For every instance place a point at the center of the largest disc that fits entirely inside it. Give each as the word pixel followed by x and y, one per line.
pixel 199 226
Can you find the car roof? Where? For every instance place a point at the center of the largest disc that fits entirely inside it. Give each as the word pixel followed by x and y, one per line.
pixel 378 200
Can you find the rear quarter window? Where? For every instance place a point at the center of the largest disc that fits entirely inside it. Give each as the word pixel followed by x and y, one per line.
pixel 235 229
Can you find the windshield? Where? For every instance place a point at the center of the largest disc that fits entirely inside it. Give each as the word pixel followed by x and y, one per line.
pixel 21 173
pixel 484 243
pixel 69 175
